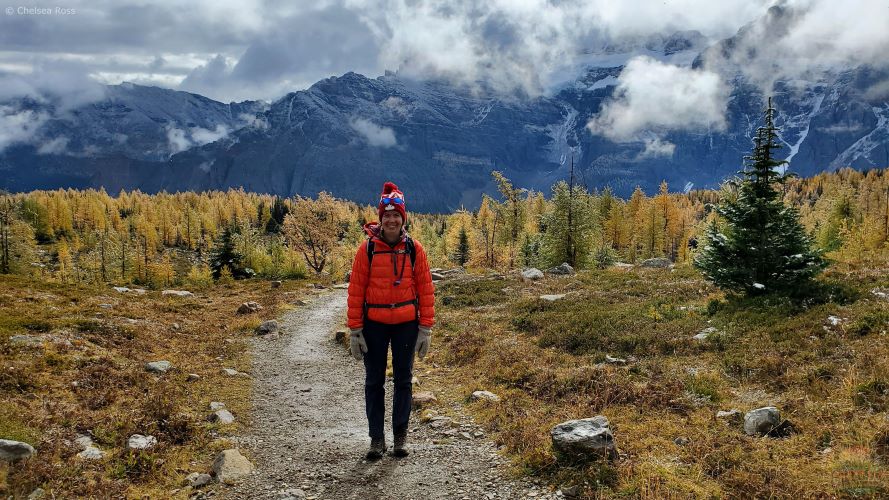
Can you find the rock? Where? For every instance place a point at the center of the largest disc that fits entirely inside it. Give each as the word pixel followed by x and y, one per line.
pixel 705 333
pixel 579 438
pixel 26 340
pixel 623 266
pixel 881 294
pixel 37 494
pixel 162 366
pixel 615 361
pixel 570 491
pixel 552 298
pixel 91 453
pixel 681 441
pixel 123 289
pixel 341 286
pixel 231 372
pixel 427 415
pixel 532 274
pixel 249 308
pixel 732 415
pixel 761 421
pixel 415 381
pixel 440 422
pixel 486 395
pixel 269 327
pixel 216 405
pixel 222 417
pixel 318 286
pixel 177 293
pixel 83 441
pixel 299 302
pixel 292 494
pixel 197 479
pixel 140 442
pixel 563 269
pixel 657 262
pixel 15 450
pixel 230 466
pixel 437 276
pixel 193 377
pixel 834 320
pixel 423 398
pixel 339 337
pixel 276 284
pixel 105 306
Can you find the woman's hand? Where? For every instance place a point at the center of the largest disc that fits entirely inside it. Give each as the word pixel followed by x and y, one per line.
pixel 357 344
pixel 423 341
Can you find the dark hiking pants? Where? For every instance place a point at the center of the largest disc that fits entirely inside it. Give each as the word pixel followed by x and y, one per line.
pixel 403 338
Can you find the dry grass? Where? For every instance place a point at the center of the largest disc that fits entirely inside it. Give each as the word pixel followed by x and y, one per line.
pixel 546 360
pixel 87 376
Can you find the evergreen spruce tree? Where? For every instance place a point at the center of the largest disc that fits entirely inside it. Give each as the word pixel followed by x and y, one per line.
pixel 462 253
pixel 759 245
pixel 225 254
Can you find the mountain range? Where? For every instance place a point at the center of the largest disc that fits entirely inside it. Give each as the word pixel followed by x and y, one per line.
pixel 437 139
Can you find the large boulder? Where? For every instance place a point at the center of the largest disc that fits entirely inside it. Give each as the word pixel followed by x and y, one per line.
pixel 140 442
pixel 230 466
pixel 177 293
pixel 249 308
pixel 162 366
pixel 563 269
pixel 584 437
pixel 14 450
pixel 486 395
pixel 761 421
pixel 420 399
pixel 269 327
pixel 657 262
pixel 532 274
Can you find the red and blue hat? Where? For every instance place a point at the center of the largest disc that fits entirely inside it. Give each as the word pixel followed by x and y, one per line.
pixel 392 199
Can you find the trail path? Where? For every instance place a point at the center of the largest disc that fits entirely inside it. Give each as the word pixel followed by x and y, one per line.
pixel 310 433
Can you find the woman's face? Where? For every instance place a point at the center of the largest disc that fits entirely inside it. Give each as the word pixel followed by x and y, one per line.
pixel 391 222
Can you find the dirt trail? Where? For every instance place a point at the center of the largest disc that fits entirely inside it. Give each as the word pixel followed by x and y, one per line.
pixel 310 432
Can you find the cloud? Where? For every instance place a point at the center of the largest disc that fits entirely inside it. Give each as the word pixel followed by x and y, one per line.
pixel 654 147
pixel 19 126
pixel 201 136
pixel 177 139
pixel 180 140
pixel 56 146
pixel 652 95
pixel 374 134
pixel 808 40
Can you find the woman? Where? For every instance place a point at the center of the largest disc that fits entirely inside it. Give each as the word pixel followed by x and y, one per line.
pixel 391 302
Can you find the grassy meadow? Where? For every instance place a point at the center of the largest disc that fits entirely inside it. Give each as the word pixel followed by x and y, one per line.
pixel 86 375
pixel 823 361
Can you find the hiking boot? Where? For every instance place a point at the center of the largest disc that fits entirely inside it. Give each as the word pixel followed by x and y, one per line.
pixel 400 441
pixel 377 448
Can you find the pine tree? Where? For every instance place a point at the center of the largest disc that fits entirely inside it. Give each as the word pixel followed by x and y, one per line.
pixel 461 256
pixel 759 246
pixel 225 254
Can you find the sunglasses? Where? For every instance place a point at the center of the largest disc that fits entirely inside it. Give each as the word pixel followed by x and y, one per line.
pixel 387 200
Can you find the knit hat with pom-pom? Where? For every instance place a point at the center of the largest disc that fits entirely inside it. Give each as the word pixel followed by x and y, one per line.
pixel 392 199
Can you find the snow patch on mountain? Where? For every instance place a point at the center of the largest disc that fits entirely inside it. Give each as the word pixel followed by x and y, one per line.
pixel 862 148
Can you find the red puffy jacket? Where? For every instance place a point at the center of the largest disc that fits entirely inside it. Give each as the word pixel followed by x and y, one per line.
pixel 377 285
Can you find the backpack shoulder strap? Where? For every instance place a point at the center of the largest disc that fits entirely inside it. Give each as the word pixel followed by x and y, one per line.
pixel 412 250
pixel 370 251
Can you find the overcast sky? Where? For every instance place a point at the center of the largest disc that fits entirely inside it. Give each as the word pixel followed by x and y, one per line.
pixel 236 50
pixel 263 49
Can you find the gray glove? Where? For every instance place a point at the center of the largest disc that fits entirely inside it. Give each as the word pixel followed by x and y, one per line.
pixel 423 341
pixel 357 344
